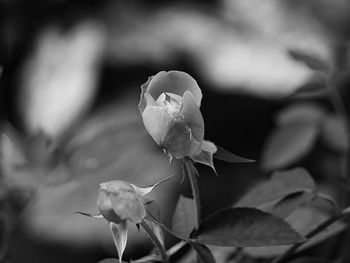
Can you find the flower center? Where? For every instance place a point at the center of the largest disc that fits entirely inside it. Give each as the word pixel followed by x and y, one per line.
pixel 171 102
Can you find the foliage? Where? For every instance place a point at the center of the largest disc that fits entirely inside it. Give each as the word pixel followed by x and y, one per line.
pixel 278 217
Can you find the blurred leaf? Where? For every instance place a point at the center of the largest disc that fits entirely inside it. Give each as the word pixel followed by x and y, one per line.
pixel 335 134
pixel 303 219
pixel 288 144
pixel 300 113
pixel 120 237
pixel 203 252
pixel 183 218
pixel 226 156
pixel 280 185
pixel 39 149
pixel 11 152
pixel 243 227
pixel 326 202
pixel 311 61
pixel 288 204
pixel 313 89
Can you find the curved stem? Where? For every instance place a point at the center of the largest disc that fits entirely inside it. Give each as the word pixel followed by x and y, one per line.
pixel 155 241
pixel 311 234
pixel 192 175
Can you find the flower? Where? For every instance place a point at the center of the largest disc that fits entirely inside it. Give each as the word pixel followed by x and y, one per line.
pixel 118 201
pixel 169 105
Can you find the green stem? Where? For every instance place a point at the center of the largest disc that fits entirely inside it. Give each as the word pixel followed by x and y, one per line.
pixel 192 175
pixel 311 234
pixel 155 241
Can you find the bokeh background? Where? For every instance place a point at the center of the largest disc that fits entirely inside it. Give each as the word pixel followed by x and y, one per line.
pixel 274 75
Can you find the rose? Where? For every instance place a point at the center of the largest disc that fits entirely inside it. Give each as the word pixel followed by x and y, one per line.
pixel 119 201
pixel 169 106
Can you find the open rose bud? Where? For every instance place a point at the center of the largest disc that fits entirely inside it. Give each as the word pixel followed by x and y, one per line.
pixel 169 106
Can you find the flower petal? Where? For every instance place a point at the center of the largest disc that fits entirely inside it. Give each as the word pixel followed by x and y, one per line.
pixel 179 141
pixel 208 146
pixel 157 122
pixel 105 206
pixel 176 82
pixel 193 117
pixel 120 236
pixel 142 103
pixel 128 206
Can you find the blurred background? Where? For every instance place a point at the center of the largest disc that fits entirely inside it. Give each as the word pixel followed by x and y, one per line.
pixel 274 76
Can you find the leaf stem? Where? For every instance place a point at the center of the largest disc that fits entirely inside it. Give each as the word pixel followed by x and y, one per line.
pixel 155 241
pixel 192 175
pixel 311 234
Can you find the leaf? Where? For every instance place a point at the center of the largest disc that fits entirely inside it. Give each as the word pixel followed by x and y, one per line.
pixel 205 158
pixel 175 248
pixel 153 210
pixel 183 218
pixel 203 252
pixel 153 218
pixel 282 208
pixel 308 59
pixel 241 227
pixel 335 134
pixel 146 190
pixel 303 219
pixel 300 113
pixel 98 216
pixel 11 152
pixel 315 88
pixel 157 231
pixel 226 156
pixel 288 144
pixel 120 237
pixel 280 185
pixel 325 201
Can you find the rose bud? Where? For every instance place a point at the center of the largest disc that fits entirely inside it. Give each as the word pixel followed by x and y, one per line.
pixel 118 201
pixel 169 106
